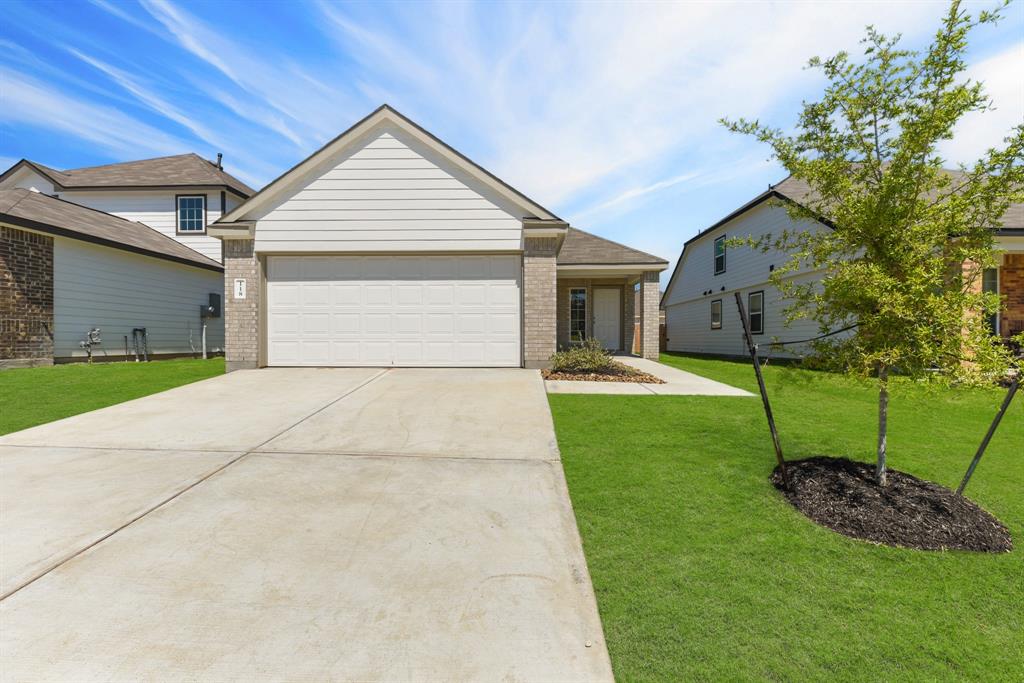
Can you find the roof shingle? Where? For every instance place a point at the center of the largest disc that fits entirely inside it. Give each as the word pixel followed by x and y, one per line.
pixel 25 208
pixel 182 170
pixel 583 248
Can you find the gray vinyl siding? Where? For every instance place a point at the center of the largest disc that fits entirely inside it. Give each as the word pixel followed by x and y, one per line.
pixel 688 309
pixel 115 290
pixel 389 195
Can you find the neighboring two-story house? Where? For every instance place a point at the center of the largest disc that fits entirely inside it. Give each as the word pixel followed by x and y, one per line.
pixel 118 247
pixel 699 302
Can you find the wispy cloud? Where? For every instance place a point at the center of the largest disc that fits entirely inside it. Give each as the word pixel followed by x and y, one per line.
pixel 33 103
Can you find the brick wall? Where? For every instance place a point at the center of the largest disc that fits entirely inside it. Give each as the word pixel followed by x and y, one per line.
pixel 26 298
pixel 1011 289
pixel 539 301
pixel 649 316
pixel 241 316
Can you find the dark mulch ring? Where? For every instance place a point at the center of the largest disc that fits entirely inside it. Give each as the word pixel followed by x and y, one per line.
pixel 908 512
pixel 616 372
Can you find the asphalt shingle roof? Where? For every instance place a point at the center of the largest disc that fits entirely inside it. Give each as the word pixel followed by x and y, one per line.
pixel 25 208
pixel 582 248
pixel 799 191
pixel 182 170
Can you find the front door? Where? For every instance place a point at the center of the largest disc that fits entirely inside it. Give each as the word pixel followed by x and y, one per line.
pixel 607 317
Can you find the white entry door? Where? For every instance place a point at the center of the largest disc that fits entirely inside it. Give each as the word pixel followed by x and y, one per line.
pixel 394 310
pixel 607 317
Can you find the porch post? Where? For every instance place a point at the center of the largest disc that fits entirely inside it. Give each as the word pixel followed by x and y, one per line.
pixel 540 286
pixel 649 300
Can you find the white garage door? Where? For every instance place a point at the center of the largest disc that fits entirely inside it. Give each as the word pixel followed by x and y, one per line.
pixel 393 310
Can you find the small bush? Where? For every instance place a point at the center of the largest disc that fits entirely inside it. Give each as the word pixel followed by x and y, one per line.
pixel 586 357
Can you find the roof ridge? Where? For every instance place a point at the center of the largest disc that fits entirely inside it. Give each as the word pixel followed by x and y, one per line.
pixel 125 163
pixel 618 244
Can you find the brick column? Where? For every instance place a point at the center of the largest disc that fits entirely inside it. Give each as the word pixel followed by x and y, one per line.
pixel 540 282
pixel 1011 289
pixel 241 316
pixel 649 300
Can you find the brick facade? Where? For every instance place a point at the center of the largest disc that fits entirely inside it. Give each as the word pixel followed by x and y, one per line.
pixel 241 316
pixel 26 298
pixel 539 301
pixel 1011 289
pixel 650 297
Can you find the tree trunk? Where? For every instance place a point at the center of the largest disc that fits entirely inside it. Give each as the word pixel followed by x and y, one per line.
pixel 883 419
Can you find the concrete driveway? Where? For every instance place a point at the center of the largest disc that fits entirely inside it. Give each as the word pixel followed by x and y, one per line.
pixel 298 524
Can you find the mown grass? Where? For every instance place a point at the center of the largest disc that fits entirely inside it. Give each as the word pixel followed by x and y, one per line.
pixel 703 571
pixel 32 396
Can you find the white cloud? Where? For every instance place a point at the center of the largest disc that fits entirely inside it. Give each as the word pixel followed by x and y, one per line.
pixel 274 82
pixel 1002 75
pixel 582 103
pixel 31 102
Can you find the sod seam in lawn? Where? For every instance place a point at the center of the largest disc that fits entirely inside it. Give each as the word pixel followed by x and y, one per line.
pixel 704 572
pixel 33 396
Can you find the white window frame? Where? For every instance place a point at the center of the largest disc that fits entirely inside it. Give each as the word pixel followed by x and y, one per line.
pixel 586 307
pixel 714 325
pixel 715 254
pixel 177 215
pixel 759 329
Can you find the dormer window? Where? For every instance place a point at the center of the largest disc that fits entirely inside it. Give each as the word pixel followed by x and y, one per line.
pixel 191 214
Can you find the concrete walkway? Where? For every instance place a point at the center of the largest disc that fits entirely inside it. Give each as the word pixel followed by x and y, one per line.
pixel 677 383
pixel 298 524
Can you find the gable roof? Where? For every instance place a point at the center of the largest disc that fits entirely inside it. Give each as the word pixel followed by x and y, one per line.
pixel 24 208
pixel 182 170
pixel 798 191
pixel 583 248
pixel 385 115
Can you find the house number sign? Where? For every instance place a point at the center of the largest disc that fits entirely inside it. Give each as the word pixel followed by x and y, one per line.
pixel 239 288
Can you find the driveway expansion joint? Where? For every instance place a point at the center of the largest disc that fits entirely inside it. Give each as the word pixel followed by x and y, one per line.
pixel 178 493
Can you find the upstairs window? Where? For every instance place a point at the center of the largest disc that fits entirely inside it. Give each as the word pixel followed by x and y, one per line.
pixel 755 312
pixel 191 213
pixel 720 255
pixel 577 315
pixel 716 314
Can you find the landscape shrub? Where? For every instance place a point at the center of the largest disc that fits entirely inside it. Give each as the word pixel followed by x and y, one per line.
pixel 589 356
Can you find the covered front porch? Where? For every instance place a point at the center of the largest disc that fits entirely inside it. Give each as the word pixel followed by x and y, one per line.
pixel 601 304
pixel 1007 279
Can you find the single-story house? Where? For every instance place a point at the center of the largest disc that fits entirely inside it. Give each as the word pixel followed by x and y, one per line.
pixel 386 247
pixel 699 302
pixel 66 269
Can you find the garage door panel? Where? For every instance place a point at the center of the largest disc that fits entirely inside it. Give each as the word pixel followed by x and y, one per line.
pixel 394 310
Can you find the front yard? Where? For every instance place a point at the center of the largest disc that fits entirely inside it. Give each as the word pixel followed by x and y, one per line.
pixel 33 396
pixel 703 572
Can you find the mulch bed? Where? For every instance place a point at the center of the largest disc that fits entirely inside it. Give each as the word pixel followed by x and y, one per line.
pixel 908 512
pixel 616 372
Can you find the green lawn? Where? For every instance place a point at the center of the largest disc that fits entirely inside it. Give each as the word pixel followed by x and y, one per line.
pixel 704 572
pixel 32 396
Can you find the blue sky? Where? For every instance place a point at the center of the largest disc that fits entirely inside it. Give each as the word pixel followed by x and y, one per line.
pixel 605 113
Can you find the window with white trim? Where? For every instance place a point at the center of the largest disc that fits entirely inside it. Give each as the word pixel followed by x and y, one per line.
pixel 755 312
pixel 716 314
pixel 720 255
pixel 577 314
pixel 192 213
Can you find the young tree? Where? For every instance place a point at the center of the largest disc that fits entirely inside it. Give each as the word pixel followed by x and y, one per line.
pixel 910 239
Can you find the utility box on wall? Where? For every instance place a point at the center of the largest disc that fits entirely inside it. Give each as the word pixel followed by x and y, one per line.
pixel 214 306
